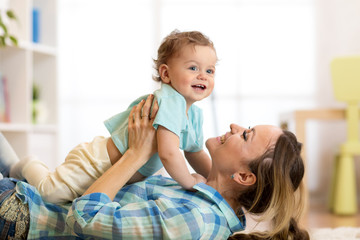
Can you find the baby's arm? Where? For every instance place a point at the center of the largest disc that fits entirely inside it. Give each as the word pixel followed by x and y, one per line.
pixel 199 161
pixel 173 160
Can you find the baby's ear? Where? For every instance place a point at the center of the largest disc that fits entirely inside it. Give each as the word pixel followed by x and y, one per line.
pixel 164 73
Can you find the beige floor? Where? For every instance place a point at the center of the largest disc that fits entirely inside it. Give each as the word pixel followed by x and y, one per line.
pixel 320 217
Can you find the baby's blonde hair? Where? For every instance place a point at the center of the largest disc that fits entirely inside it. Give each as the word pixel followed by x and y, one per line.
pixel 174 42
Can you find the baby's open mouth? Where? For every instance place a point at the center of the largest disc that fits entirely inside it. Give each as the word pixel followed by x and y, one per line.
pixel 200 86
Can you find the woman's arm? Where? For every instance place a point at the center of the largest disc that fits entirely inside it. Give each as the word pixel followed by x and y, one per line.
pixel 142 145
pixel 173 160
pixel 139 213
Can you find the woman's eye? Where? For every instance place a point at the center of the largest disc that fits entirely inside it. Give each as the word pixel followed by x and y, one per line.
pixel 245 135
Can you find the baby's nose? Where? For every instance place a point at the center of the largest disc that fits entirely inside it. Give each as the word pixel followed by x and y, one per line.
pixel 201 76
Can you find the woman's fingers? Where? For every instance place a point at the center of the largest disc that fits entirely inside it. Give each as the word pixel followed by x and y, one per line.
pixel 137 114
pixel 154 111
pixel 131 117
pixel 143 111
pixel 142 137
pixel 148 112
pixel 147 107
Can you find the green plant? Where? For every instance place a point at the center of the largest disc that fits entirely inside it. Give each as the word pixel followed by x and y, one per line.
pixel 35 102
pixel 35 92
pixel 5 34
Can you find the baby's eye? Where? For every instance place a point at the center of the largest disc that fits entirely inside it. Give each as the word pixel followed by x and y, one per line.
pixel 193 68
pixel 245 135
pixel 210 71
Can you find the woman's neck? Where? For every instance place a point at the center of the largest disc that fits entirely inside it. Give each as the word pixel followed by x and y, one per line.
pixel 227 190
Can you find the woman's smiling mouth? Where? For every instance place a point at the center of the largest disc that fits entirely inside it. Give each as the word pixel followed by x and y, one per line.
pixel 222 139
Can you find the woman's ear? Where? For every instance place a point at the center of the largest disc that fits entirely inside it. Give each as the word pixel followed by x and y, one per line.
pixel 244 178
pixel 164 73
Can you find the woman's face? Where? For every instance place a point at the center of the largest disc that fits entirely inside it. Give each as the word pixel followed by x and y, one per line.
pixel 241 145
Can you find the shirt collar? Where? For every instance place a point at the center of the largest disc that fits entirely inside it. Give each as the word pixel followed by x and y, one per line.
pixel 234 222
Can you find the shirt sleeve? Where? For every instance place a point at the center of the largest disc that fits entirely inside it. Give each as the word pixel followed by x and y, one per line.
pixel 117 126
pixel 95 215
pixel 171 113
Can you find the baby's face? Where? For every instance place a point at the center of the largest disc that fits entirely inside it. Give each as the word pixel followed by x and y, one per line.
pixel 192 72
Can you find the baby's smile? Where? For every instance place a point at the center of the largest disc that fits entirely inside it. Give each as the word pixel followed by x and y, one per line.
pixel 201 86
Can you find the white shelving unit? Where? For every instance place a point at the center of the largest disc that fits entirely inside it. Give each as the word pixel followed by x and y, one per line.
pixel 25 65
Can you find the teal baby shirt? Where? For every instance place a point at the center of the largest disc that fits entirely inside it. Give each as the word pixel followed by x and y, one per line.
pixel 171 115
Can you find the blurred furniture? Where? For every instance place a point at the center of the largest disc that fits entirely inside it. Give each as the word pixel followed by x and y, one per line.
pixel 345 72
pixel 346 83
pixel 28 65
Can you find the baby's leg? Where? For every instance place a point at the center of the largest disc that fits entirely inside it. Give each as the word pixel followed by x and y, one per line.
pixel 37 174
pixel 33 170
pixel 16 170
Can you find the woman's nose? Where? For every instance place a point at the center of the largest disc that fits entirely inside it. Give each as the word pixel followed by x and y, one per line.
pixel 235 128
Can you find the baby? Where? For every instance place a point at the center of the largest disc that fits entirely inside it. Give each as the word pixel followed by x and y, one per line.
pixel 185 67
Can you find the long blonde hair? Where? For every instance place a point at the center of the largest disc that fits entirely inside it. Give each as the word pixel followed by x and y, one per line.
pixel 278 194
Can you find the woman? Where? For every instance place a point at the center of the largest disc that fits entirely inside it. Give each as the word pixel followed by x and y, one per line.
pixel 259 170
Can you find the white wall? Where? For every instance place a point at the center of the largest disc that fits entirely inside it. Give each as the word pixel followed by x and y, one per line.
pixel 274 57
pixel 105 54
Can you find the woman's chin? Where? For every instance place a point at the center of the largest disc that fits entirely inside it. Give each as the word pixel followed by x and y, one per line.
pixel 211 142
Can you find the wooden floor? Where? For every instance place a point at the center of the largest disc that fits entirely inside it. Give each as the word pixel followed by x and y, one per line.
pixel 320 217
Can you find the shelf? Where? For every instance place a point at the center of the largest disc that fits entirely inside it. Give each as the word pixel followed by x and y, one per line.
pixel 43 49
pixel 25 66
pixel 44 128
pixel 14 127
pixel 34 47
pixel 28 128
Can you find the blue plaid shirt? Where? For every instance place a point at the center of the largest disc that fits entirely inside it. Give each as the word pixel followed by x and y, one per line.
pixel 157 208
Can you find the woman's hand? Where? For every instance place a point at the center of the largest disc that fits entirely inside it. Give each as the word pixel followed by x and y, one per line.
pixel 142 135
pixel 142 145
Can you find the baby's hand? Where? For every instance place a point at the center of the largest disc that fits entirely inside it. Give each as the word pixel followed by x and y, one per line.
pixel 198 178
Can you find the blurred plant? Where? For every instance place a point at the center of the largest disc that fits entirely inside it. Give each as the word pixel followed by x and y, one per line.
pixel 5 34
pixel 39 109
pixel 35 102
pixel 35 92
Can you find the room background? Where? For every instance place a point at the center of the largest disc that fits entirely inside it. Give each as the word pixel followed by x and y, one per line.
pixel 274 58
pixel 97 56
